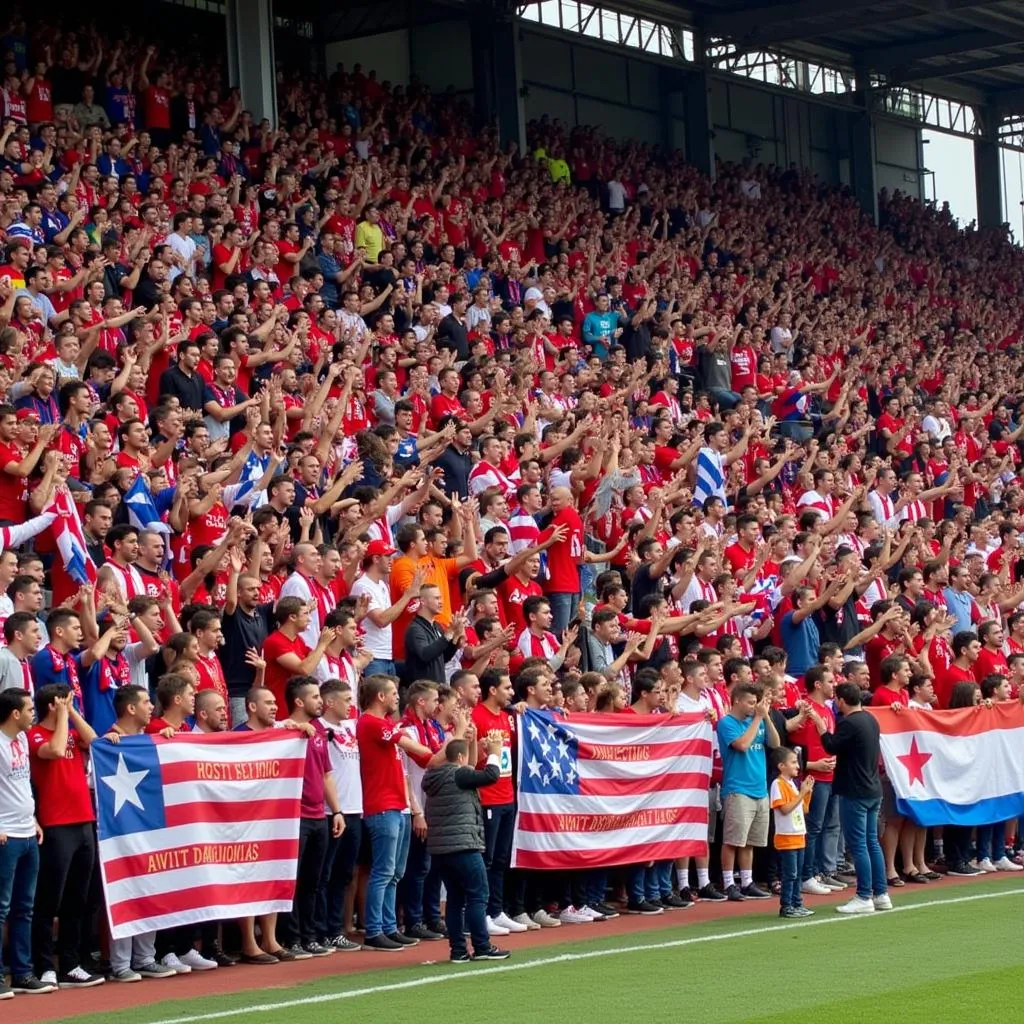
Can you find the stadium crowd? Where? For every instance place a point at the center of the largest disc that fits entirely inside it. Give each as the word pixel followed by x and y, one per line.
pixel 384 432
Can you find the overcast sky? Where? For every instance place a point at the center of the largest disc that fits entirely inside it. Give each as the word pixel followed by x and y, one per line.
pixel 952 160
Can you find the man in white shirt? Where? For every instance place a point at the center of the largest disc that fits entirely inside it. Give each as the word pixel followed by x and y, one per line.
pixel 183 246
pixel 22 835
pixel 373 584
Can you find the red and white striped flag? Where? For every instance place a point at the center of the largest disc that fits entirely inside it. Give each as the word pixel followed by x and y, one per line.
pixel 600 790
pixel 200 827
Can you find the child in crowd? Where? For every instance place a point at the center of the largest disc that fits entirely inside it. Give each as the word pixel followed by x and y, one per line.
pixel 789 806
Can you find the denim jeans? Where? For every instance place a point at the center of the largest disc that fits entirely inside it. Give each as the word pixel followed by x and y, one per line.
pixel 499 827
pixel 465 878
pixel 649 882
pixel 420 888
pixel 380 667
pixel 389 848
pixel 596 886
pixel 822 806
pixel 563 610
pixel 832 844
pixel 725 398
pixel 237 710
pixel 19 869
pixel 338 870
pixel 860 826
pixel 791 869
pixel 992 841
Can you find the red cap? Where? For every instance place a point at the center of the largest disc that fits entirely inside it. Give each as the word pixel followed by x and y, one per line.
pixel 379 547
pixel 27 414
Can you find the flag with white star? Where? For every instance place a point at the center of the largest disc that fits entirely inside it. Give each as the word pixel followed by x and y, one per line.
pixel 199 827
pixel 599 790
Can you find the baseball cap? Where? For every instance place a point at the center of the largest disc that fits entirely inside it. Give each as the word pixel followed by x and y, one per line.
pixel 27 414
pixel 378 547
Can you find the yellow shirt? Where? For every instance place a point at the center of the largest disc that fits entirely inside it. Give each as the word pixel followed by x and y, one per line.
pixel 371 238
pixel 559 170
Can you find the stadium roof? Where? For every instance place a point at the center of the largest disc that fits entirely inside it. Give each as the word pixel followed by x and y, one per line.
pixel 969 49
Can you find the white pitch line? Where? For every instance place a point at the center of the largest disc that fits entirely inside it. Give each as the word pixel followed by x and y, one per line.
pixel 468 973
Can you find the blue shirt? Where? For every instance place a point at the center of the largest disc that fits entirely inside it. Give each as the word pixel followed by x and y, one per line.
pixel 959 606
pixel 743 771
pixel 599 331
pixel 801 642
pixel 45 672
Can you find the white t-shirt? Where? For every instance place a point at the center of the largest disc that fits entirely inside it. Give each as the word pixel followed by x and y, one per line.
pixel 186 249
pixel 296 586
pixel 616 196
pixel 376 639
pixel 344 754
pixel 17 808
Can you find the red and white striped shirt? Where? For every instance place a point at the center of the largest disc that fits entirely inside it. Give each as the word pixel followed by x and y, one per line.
pixel 532 646
pixel 483 476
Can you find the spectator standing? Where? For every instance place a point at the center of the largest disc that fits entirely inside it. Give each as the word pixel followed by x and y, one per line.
pixel 455 837
pixel 20 837
pixel 789 806
pixel 857 749
pixel 742 736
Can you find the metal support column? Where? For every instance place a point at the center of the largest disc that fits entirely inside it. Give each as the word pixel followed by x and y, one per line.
pixel 250 39
pixel 988 178
pixel 497 75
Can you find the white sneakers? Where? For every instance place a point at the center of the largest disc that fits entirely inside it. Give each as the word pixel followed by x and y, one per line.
pixel 1005 864
pixel 493 928
pixel 194 959
pixel 509 924
pixel 545 920
pixel 857 906
pixel 814 887
pixel 985 864
pixel 172 961
pixel 527 922
pixel 882 902
pixel 49 978
pixel 573 916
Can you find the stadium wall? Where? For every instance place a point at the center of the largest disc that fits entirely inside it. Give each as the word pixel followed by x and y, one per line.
pixel 635 96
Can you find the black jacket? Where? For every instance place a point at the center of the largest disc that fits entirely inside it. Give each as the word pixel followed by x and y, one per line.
pixel 426 651
pixel 455 819
pixel 452 334
pixel 456 467
pixel 857 748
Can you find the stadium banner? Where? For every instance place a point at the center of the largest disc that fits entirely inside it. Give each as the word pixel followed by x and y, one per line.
pixel 200 827
pixel 960 767
pixel 600 790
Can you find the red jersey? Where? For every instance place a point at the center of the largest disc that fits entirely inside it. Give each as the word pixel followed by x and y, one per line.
pixel 61 787
pixel 512 593
pixel 380 764
pixel 275 646
pixel 564 558
pixel 486 720
pixel 211 675
pixel 13 489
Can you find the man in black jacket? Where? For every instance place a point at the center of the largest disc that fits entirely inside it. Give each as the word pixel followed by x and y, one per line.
pixel 452 332
pixel 427 648
pixel 857 749
pixel 455 842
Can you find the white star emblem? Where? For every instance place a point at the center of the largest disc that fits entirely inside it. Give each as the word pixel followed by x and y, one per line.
pixel 125 785
pixel 563 749
pixel 570 777
pixel 534 731
pixel 551 729
pixel 545 748
pixel 547 779
pixel 534 765
pixel 556 769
